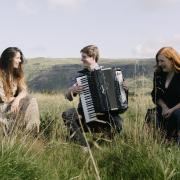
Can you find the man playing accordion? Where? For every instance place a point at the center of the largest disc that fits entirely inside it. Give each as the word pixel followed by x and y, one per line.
pixel 77 119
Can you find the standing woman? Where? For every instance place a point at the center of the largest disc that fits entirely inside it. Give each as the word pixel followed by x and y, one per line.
pixel 166 91
pixel 17 108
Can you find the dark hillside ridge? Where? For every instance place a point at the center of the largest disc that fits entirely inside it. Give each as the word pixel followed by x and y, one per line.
pixel 58 77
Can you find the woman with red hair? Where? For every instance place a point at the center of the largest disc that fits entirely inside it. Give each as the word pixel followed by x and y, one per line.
pixel 166 91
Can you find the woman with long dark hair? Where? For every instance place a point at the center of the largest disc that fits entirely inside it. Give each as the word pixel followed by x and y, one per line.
pixel 17 108
pixel 166 91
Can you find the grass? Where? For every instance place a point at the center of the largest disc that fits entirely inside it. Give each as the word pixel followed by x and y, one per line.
pixel 137 153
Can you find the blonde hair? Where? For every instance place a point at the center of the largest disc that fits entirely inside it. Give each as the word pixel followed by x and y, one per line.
pixel 172 55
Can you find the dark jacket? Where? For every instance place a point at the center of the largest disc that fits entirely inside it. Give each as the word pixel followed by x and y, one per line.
pixel 170 95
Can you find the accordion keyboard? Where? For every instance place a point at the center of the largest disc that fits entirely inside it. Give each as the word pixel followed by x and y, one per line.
pixel 86 99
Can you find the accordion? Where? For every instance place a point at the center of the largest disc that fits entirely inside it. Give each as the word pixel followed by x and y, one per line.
pixel 102 92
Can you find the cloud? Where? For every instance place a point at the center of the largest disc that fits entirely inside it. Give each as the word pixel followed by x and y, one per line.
pixel 25 7
pixel 176 38
pixel 154 5
pixel 67 3
pixel 143 50
pixel 150 48
pixel 159 2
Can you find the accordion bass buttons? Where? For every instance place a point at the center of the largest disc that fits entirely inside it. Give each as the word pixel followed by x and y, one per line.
pixel 119 77
pixel 120 81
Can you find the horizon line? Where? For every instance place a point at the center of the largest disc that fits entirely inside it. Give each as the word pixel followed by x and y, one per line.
pixel 109 58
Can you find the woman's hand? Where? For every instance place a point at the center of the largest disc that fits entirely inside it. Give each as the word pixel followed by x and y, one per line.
pixel 168 113
pixel 11 99
pixel 15 106
pixel 164 111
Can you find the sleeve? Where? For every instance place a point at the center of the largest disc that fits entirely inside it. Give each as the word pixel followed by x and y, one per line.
pixel 178 86
pixel 69 95
pixel 72 82
pixel 3 97
pixel 158 91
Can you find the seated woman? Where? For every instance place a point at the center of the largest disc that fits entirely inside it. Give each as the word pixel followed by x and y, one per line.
pixel 17 108
pixel 166 91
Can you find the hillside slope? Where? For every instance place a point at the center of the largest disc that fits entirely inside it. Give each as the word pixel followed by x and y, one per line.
pixel 49 75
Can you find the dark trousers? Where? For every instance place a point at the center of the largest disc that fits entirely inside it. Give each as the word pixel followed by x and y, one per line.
pixel 173 124
pixel 111 122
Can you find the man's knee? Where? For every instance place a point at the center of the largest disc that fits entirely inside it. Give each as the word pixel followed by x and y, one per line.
pixel 118 123
pixel 70 116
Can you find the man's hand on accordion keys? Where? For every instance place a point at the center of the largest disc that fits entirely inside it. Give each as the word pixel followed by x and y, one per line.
pixel 76 89
pixel 73 91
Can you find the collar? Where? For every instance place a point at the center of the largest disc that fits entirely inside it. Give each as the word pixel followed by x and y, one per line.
pixel 94 67
pixel 87 70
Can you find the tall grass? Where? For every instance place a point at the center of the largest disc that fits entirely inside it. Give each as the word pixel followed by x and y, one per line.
pixel 137 153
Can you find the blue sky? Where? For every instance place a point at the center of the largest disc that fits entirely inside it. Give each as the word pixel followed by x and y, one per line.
pixel 60 28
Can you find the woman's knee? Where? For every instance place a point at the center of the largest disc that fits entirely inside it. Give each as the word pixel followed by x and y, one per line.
pixel 33 127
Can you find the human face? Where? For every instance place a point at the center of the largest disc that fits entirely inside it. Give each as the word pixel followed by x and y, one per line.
pixel 87 61
pixel 16 60
pixel 165 64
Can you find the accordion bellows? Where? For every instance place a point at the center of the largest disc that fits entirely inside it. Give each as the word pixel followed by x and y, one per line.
pixel 102 92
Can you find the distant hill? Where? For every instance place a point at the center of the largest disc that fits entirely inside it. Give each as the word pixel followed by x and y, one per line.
pixel 51 75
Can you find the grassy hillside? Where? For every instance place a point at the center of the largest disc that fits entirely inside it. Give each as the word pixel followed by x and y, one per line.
pixel 47 75
pixel 137 153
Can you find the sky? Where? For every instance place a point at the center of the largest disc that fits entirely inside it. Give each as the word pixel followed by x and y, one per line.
pixel 61 28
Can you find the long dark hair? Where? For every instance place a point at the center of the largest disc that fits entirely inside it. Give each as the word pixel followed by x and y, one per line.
pixel 7 69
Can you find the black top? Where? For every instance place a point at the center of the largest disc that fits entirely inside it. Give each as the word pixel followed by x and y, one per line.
pixel 170 95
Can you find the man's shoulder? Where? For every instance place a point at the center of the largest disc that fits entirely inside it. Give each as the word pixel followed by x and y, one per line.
pixel 82 72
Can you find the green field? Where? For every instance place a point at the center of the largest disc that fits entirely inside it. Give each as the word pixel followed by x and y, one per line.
pixel 137 153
